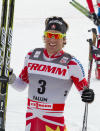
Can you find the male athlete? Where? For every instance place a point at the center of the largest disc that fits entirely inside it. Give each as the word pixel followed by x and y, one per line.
pixel 49 74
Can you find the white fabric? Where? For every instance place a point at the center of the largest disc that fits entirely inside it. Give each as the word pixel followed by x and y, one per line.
pixel 19 85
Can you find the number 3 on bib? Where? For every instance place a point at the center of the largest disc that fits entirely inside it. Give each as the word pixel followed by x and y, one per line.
pixel 41 89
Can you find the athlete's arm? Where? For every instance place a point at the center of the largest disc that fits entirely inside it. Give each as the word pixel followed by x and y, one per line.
pixel 22 80
pixel 77 74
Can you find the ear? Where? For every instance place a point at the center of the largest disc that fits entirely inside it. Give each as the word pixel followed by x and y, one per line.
pixel 64 41
pixel 43 38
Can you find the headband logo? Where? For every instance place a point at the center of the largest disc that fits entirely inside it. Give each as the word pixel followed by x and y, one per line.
pixel 53 27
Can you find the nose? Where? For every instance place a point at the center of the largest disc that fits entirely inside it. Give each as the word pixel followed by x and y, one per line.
pixel 52 39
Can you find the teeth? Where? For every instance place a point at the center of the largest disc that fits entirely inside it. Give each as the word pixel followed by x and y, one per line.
pixel 52 44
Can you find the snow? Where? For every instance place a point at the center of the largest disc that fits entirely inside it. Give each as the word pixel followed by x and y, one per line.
pixel 28 34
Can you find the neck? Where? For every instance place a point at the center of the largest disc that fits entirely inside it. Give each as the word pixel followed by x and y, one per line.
pixel 50 53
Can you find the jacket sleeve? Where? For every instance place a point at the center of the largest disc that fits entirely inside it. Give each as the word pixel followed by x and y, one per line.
pixel 22 80
pixel 77 74
pixel 24 73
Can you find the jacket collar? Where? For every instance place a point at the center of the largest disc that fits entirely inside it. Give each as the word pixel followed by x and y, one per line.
pixel 56 55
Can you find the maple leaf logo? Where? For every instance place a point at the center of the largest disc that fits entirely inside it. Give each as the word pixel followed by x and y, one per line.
pixel 53 27
pixel 49 129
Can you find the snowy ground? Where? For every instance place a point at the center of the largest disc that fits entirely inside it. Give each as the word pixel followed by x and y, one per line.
pixel 27 34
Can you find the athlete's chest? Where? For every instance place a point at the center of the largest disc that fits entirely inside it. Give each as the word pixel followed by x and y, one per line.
pixel 47 69
pixel 40 65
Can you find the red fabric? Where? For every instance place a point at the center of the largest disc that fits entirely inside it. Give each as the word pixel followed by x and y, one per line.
pixel 98 66
pixel 98 44
pixel 29 114
pixel 24 75
pixel 54 107
pixel 96 58
pixel 40 125
pixel 43 122
pixel 98 4
pixel 55 119
pixel 29 53
pixel 90 5
pixel 58 107
pixel 97 73
pixel 72 63
pixel 79 84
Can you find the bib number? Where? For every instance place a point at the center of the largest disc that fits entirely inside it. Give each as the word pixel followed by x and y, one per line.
pixel 41 89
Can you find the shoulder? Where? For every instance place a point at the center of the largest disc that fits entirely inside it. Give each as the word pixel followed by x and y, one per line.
pixel 32 51
pixel 75 64
pixel 67 55
pixel 28 54
pixel 74 61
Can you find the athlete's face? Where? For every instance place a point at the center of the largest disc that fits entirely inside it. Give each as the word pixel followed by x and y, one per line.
pixel 53 45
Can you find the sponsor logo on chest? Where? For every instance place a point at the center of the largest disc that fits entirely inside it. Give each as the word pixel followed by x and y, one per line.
pixel 48 69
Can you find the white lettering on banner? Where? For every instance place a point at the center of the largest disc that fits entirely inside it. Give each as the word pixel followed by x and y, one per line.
pixel 45 106
pixel 48 69
pixel 33 104
pixel 41 105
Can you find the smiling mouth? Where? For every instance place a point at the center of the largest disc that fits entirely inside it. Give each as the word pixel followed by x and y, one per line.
pixel 52 45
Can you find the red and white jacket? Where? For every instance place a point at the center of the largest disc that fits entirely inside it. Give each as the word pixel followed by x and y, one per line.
pixel 50 80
